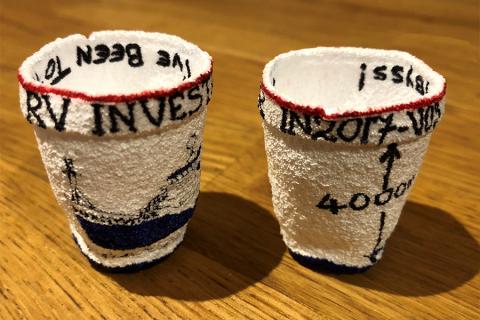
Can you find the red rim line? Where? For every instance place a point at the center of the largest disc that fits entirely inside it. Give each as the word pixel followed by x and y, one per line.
pixel 320 110
pixel 46 89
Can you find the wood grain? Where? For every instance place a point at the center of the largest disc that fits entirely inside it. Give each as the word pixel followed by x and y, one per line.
pixel 233 263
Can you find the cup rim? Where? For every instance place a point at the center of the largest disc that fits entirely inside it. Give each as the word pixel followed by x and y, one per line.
pixel 319 110
pixel 31 84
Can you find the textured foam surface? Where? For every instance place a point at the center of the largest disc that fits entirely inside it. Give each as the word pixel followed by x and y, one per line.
pixel 343 80
pixel 116 63
pixel 120 140
pixel 339 182
pixel 323 265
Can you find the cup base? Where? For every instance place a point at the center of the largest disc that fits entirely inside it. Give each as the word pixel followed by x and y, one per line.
pixel 324 265
pixel 132 268
pixel 140 259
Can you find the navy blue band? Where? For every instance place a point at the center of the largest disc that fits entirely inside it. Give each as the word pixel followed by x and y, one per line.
pixel 124 237
pixel 128 268
pixel 323 265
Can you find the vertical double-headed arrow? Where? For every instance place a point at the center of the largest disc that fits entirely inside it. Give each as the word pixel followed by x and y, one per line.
pixel 389 156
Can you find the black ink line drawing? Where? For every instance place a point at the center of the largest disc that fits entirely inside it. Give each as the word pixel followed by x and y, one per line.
pixel 377 249
pixel 389 157
pixel 85 208
pixel 261 100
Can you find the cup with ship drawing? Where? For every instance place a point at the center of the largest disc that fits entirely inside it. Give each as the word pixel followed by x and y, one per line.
pixel 119 117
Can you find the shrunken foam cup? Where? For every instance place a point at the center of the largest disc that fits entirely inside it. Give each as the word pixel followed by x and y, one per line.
pixel 346 130
pixel 119 119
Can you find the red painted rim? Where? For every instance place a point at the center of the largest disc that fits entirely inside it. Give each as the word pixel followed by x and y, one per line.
pixel 320 110
pixel 45 89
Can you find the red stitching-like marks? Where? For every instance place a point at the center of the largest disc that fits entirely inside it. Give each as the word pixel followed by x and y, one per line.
pixel 320 111
pixel 113 97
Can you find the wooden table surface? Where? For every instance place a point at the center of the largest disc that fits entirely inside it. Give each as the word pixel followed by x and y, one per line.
pixel 233 263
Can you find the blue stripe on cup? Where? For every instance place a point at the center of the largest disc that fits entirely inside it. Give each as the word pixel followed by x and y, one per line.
pixel 124 237
pixel 128 268
pixel 324 265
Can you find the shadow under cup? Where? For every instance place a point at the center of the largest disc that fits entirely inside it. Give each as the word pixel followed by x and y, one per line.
pixel 346 130
pixel 119 120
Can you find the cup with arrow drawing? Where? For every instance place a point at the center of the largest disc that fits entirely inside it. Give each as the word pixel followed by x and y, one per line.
pixel 346 130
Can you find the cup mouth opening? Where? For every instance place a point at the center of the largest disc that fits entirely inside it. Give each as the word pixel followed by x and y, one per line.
pixel 115 66
pixel 338 82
